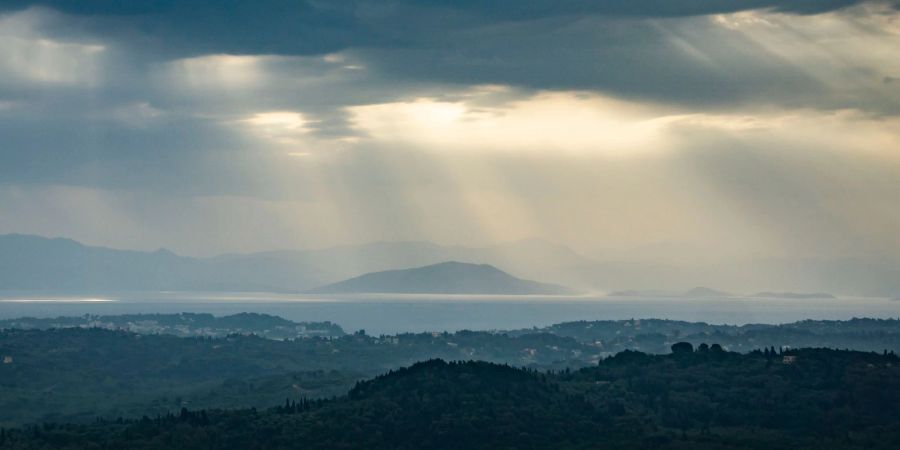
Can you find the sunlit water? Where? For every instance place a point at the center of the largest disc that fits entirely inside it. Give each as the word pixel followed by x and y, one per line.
pixel 390 314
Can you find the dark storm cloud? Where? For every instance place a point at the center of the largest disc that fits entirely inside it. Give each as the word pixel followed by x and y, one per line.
pixel 481 116
pixel 628 58
pixel 648 49
pixel 81 132
pixel 189 27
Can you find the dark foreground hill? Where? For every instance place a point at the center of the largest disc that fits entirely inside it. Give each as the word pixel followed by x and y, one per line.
pixel 77 374
pixel 444 278
pixel 707 399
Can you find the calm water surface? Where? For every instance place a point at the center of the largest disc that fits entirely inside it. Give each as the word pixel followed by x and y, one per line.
pixel 390 314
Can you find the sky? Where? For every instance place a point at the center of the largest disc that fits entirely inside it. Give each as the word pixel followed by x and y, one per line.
pixel 654 129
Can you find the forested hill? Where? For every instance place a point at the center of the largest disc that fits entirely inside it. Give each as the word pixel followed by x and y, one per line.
pixel 185 324
pixel 77 374
pixel 656 335
pixel 706 399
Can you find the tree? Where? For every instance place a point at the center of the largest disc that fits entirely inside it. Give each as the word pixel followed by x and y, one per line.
pixel 682 348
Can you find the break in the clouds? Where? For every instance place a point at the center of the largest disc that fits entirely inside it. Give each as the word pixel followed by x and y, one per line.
pixel 751 128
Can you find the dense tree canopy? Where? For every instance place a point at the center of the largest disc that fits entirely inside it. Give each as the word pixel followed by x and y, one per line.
pixel 703 399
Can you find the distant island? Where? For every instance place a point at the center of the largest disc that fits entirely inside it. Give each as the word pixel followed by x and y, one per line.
pixel 702 291
pixel 799 295
pixel 444 278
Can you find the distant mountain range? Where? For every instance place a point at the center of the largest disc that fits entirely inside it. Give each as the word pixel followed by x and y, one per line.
pixel 30 262
pixel 444 278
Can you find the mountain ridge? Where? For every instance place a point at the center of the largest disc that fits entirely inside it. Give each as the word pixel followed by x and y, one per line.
pixel 30 262
pixel 35 263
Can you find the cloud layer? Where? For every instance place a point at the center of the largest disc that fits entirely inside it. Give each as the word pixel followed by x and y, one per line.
pixel 734 129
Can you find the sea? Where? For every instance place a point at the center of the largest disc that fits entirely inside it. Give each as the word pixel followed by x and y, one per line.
pixel 392 314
